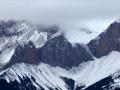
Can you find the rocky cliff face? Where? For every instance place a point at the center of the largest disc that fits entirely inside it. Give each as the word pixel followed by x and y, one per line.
pixel 24 54
pixel 60 52
pixel 106 41
pixel 56 51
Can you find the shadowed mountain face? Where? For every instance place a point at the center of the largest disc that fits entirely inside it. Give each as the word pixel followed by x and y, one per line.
pixel 106 41
pixel 59 52
pixel 56 52
pixel 102 84
pixel 24 54
pixel 25 84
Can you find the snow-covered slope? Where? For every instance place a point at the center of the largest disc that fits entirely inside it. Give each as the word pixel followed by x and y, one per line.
pixel 46 76
pixel 99 68
pixel 25 32
pixel 92 71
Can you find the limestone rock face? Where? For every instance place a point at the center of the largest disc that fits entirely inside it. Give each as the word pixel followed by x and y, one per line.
pixel 59 52
pixel 24 54
pixel 107 41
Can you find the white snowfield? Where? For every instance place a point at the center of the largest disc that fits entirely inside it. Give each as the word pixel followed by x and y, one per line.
pixel 46 76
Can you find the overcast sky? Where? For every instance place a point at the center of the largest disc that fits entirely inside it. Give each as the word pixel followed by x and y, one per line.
pixel 70 14
pixel 58 10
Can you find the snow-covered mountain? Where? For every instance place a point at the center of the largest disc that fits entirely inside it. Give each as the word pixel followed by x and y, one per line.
pixel 34 57
pixel 19 33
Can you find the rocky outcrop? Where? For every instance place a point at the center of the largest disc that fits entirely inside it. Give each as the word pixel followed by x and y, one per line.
pixel 60 52
pixel 107 41
pixel 24 54
pixel 102 84
pixel 25 84
pixel 111 82
pixel 57 51
pixel 70 83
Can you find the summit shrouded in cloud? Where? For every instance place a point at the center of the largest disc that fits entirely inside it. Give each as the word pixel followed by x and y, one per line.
pixel 72 16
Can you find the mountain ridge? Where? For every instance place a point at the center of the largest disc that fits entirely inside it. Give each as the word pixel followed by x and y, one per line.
pixel 71 66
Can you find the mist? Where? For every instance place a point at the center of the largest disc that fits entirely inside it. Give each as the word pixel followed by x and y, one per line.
pixel 70 15
pixel 54 11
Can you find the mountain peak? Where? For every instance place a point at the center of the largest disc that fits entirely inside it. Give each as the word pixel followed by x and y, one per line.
pixel 107 41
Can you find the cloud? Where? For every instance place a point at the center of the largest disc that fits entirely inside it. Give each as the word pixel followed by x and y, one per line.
pixel 71 15
pixel 85 30
pixel 55 11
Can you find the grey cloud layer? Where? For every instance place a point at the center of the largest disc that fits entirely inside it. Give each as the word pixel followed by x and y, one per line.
pixel 70 15
pixel 52 11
